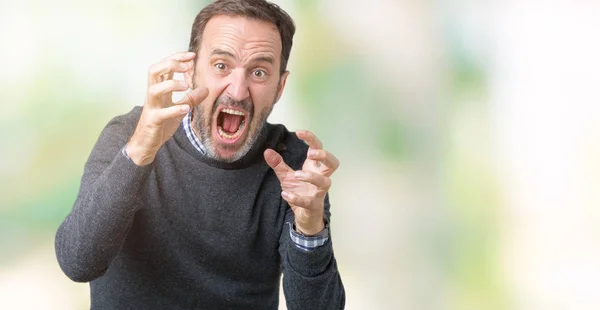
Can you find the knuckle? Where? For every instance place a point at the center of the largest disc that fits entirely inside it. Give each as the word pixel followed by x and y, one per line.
pixel 327 183
pixel 152 69
pixel 173 63
pixel 192 100
pixel 154 91
pixel 182 85
pixel 170 84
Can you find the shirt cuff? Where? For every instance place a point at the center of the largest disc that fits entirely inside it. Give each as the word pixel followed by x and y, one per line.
pixel 309 243
pixel 124 152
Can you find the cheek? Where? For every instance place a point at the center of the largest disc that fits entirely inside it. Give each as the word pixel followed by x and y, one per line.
pixel 263 95
pixel 215 84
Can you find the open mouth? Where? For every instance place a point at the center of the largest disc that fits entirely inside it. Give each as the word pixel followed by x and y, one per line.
pixel 231 124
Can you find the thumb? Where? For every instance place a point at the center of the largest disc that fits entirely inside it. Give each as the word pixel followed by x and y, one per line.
pixel 165 114
pixel 194 97
pixel 275 161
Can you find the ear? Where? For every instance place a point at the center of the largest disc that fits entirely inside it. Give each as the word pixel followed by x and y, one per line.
pixel 189 75
pixel 282 81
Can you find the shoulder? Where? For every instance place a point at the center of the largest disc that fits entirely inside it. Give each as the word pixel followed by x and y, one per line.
pixel 118 130
pixel 123 126
pixel 292 149
pixel 128 120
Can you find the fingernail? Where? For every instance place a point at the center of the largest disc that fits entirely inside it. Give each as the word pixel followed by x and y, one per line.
pixel 299 174
pixel 286 195
pixel 312 153
pixel 184 108
pixel 183 66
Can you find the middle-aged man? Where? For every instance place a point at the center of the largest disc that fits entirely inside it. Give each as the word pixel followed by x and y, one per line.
pixel 202 204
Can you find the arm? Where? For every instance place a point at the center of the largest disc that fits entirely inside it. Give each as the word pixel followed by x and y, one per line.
pixel 94 232
pixel 310 278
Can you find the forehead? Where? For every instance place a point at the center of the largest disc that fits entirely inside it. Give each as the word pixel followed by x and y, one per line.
pixel 241 35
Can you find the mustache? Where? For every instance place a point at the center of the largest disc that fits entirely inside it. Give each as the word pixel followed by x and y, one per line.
pixel 227 101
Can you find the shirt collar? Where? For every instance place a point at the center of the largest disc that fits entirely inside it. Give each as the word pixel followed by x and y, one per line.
pixel 187 127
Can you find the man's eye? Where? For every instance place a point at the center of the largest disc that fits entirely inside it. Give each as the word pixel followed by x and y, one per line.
pixel 220 66
pixel 259 73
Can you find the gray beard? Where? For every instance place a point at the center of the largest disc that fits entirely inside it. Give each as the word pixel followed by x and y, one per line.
pixel 202 126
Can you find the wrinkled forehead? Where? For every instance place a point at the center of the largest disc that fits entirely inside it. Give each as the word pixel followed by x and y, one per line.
pixel 241 35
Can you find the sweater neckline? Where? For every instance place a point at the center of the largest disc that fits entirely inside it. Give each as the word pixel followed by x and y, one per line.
pixel 266 139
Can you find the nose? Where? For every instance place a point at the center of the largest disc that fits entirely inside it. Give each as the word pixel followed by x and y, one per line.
pixel 238 85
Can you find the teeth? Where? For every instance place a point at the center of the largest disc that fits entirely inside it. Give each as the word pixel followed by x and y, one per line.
pixel 239 131
pixel 227 136
pixel 234 112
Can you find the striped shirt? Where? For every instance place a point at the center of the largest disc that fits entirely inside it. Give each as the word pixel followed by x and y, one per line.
pixel 187 127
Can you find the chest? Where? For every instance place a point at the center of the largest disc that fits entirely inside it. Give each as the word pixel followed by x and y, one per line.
pixel 209 215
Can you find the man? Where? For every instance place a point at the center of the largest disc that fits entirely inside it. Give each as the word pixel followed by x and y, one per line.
pixel 202 204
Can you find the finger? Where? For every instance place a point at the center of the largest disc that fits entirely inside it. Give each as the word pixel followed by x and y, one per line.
pixel 275 161
pixel 165 114
pixel 327 159
pixel 190 62
pixel 183 56
pixel 320 181
pixel 169 76
pixel 160 89
pixel 186 58
pixel 165 67
pixel 194 97
pixel 296 200
pixel 310 139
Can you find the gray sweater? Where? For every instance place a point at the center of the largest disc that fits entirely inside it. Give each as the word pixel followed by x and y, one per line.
pixel 190 232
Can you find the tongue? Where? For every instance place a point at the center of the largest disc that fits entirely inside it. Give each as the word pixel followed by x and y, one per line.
pixel 231 122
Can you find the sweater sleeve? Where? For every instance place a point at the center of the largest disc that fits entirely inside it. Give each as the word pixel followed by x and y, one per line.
pixel 310 278
pixel 93 233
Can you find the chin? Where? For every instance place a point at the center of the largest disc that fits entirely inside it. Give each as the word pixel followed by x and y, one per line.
pixel 228 156
pixel 227 152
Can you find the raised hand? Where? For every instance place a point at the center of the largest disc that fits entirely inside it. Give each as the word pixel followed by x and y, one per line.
pixel 160 115
pixel 305 189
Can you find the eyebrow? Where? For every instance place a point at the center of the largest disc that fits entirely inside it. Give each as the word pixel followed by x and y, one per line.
pixel 218 51
pixel 262 58
pixel 265 58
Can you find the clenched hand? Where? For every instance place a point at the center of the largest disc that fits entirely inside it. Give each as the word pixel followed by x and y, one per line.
pixel 305 189
pixel 160 115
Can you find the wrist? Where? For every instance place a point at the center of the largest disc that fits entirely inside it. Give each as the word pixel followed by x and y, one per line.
pixel 137 154
pixel 310 228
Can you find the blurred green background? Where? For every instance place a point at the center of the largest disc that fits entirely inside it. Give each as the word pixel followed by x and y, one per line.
pixel 468 134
